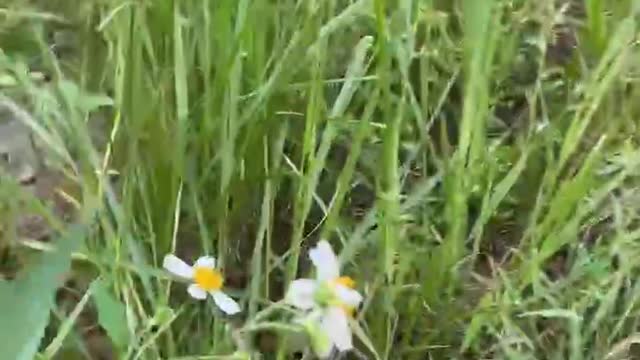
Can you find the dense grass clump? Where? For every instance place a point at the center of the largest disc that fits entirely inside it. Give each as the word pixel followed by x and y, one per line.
pixel 473 163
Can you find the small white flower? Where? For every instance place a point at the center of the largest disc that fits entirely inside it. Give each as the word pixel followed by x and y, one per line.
pixel 205 279
pixel 330 298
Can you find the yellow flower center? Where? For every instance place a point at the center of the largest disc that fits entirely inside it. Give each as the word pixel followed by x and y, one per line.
pixel 345 281
pixel 349 310
pixel 348 282
pixel 207 279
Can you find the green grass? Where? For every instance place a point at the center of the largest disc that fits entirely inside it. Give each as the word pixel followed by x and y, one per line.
pixel 473 162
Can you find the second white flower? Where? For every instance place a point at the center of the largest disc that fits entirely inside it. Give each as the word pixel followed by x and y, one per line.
pixel 330 298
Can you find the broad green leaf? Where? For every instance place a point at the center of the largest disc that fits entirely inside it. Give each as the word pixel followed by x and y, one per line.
pixel 111 314
pixel 27 301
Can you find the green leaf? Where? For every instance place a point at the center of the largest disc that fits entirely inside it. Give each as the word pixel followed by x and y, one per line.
pixel 27 301
pixel 111 314
pixel 91 102
pixel 6 80
pixel 359 332
pixel 85 102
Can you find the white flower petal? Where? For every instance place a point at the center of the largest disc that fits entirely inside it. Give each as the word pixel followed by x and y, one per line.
pixel 206 262
pixel 197 292
pixel 177 267
pixel 336 325
pixel 225 303
pixel 320 341
pixel 348 296
pixel 301 293
pixel 325 261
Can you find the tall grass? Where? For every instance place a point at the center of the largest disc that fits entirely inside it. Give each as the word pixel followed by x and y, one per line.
pixel 474 162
